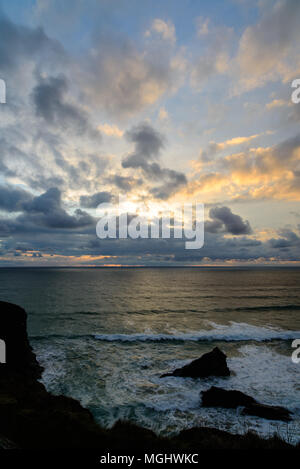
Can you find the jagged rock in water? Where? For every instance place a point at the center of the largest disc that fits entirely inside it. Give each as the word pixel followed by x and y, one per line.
pixel 268 412
pixel 210 364
pixel 218 397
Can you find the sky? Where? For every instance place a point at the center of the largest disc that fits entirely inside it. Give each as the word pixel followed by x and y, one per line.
pixel 162 102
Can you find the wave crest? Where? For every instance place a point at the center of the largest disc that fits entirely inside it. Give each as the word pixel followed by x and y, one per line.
pixel 235 332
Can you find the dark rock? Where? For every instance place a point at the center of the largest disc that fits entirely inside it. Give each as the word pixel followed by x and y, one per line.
pixel 268 412
pixel 218 397
pixel 19 356
pixel 210 364
pixel 30 417
pixel 213 438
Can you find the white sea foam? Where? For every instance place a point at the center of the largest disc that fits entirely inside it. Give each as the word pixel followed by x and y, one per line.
pixel 259 371
pixel 218 332
pixel 130 387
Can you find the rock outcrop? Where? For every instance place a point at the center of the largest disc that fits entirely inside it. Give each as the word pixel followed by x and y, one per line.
pixel 269 412
pixel 20 358
pixel 231 399
pixel 210 364
pixel 219 397
pixel 30 416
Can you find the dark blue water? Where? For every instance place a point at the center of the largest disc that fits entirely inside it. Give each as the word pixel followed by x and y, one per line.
pixel 106 335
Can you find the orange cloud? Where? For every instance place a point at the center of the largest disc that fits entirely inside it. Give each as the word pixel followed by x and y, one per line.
pixel 111 130
pixel 259 173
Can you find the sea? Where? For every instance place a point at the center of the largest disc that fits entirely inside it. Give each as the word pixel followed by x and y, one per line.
pixel 105 336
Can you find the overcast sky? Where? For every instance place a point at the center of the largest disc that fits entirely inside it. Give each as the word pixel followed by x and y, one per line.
pixel 163 102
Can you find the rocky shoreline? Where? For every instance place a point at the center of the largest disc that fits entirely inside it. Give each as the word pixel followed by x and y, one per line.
pixel 214 363
pixel 32 418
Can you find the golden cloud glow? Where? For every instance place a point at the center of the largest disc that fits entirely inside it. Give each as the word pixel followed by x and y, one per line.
pixel 259 173
pixel 111 130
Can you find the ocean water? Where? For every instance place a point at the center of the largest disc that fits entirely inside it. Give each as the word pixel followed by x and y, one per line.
pixel 106 335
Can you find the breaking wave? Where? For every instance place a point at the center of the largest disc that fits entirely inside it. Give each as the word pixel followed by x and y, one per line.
pixel 234 332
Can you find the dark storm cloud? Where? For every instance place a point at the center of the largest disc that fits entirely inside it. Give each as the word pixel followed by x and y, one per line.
pixel 173 180
pixel 46 210
pixel 45 203
pixel 50 104
pixel 29 225
pixel 148 145
pixel 288 239
pixel 216 247
pixel 19 43
pixel 12 199
pixel 223 220
pixel 46 227
pixel 125 183
pixel 92 201
pixel 32 232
